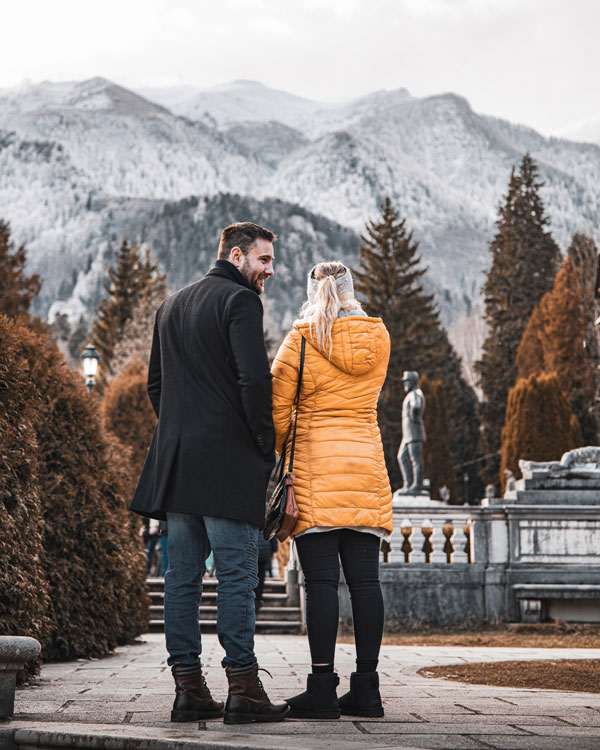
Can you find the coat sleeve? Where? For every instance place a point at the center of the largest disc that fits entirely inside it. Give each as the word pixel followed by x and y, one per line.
pixel 154 371
pixel 247 342
pixel 286 371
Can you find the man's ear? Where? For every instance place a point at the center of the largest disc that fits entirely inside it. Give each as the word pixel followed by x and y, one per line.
pixel 236 255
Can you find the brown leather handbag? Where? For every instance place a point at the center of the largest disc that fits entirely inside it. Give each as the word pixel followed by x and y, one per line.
pixel 282 510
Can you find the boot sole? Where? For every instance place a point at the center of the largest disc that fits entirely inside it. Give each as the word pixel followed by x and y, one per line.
pixel 239 718
pixel 181 716
pixel 314 714
pixel 370 712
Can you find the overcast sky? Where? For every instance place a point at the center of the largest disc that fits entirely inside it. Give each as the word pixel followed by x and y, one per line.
pixel 531 61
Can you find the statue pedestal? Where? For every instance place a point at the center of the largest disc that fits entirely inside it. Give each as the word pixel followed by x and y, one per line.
pixel 420 499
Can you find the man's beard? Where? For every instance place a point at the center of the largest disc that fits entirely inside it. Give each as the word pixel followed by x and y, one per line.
pixel 254 281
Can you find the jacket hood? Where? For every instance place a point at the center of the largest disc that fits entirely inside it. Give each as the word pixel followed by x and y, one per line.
pixel 359 342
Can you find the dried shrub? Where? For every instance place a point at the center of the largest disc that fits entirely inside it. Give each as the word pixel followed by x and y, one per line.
pixel 128 413
pixel 436 450
pixel 538 426
pixel 24 599
pixel 90 562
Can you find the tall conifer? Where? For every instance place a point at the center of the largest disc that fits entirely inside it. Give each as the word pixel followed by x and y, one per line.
pixel 17 290
pixel 559 336
pixel 524 261
pixel 129 282
pixel 388 280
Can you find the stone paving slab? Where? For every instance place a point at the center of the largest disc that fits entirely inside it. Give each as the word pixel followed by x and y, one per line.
pixel 126 699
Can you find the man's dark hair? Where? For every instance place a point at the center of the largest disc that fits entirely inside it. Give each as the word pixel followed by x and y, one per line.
pixel 243 235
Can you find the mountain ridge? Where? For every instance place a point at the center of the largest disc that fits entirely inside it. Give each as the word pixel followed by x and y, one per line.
pixel 72 153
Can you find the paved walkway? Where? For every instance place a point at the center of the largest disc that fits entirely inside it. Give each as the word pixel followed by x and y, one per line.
pixel 128 696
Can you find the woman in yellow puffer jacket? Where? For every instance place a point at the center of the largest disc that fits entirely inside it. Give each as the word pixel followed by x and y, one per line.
pixel 341 482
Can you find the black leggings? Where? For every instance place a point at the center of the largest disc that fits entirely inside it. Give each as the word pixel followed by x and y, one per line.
pixel 320 555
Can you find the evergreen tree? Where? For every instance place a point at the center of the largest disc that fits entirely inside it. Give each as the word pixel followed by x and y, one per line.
pixel 17 290
pixel 524 262
pixel 436 452
pixel 538 426
pixel 77 340
pixel 388 281
pixel 135 341
pixel 131 282
pixel 557 338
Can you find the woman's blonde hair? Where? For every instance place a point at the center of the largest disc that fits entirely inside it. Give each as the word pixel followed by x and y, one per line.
pixel 330 289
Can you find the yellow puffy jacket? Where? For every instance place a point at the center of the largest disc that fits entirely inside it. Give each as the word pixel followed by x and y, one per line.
pixel 341 478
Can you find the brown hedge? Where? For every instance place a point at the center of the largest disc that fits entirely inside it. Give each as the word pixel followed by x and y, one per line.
pixel 90 563
pixel 128 413
pixel 24 598
pixel 436 452
pixel 538 425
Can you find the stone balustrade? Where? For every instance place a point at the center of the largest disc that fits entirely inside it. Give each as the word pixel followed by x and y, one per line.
pixel 530 556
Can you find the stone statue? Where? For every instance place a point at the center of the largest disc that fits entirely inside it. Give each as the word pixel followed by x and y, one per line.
pixel 511 483
pixel 410 454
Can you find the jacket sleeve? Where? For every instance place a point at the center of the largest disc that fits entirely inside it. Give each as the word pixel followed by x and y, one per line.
pixel 248 346
pixel 154 371
pixel 286 371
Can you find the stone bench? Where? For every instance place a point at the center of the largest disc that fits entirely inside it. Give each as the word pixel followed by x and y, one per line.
pixel 15 651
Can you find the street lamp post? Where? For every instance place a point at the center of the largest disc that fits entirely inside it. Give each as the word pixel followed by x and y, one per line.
pixel 90 359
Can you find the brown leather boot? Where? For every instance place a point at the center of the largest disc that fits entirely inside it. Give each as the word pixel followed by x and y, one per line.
pixel 193 701
pixel 247 700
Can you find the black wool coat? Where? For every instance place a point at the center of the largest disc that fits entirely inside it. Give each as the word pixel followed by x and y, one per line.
pixel 210 385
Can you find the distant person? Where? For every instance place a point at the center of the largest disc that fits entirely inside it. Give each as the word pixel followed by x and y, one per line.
pixel 208 466
pixel 341 486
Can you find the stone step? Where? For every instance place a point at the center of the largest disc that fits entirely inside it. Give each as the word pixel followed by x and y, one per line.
pixel 210 598
pixel 272 585
pixel 288 627
pixel 264 613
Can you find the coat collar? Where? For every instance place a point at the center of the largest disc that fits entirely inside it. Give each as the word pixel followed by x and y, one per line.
pixel 227 270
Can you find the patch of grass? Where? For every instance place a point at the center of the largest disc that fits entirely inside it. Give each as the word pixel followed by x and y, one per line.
pixel 581 675
pixel 510 635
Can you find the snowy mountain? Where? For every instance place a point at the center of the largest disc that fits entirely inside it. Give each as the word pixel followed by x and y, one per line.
pixel 83 163
pixel 584 132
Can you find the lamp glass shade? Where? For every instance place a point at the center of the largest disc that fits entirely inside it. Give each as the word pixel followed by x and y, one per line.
pixel 90 359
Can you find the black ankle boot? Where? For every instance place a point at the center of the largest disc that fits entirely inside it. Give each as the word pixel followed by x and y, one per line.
pixel 320 700
pixel 364 698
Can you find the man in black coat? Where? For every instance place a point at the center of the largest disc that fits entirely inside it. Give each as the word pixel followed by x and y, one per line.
pixel 208 467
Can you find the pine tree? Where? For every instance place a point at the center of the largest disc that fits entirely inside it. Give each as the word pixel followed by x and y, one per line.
pixel 17 290
pixel 129 280
pixel 436 453
pixel 135 340
pixel 524 262
pixel 538 426
pixel 557 337
pixel 388 280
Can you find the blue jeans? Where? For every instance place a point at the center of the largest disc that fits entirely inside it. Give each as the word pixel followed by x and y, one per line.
pixel 235 548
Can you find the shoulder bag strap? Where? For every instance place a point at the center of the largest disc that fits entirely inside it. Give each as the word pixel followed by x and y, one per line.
pixel 302 348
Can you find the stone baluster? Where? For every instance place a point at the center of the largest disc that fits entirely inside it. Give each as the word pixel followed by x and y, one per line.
pixel 406 530
pixel 468 532
pixel 386 548
pixel 427 531
pixel 448 532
